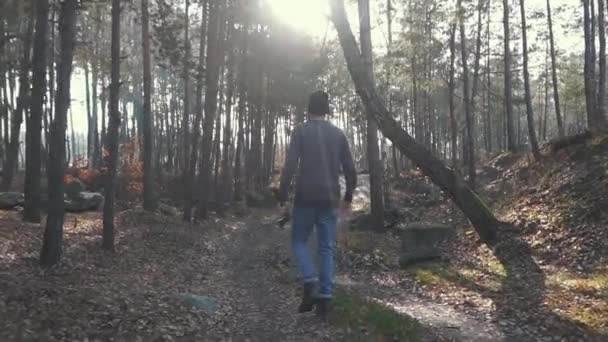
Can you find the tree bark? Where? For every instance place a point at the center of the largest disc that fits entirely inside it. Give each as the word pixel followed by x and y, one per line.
pixel 215 53
pixel 470 155
pixel 451 90
pixel 89 153
pixel 113 127
pixel 186 109
pixel 104 109
pixel 149 197
pixel 94 94
pixel 12 160
pixel 242 90
pixel 558 113
pixel 196 131
pixel 72 160
pixel 389 21
pixel 476 211
pixel 511 144
pixel 226 188
pixel 34 123
pixel 528 92
pixel 53 234
pixel 373 152
pixel 601 88
pixel 590 76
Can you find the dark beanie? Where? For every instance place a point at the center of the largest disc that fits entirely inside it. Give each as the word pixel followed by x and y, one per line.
pixel 318 103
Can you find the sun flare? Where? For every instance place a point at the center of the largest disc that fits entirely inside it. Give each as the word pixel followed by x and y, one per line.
pixel 306 16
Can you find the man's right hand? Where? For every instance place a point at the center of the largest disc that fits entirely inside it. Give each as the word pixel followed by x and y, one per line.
pixel 345 209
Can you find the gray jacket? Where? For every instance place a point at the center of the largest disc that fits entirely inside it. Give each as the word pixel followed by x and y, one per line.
pixel 320 149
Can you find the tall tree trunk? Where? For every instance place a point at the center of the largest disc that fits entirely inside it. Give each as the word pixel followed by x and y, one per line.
pixel 373 152
pixel 149 197
pixel 217 141
pixel 476 211
pixel 95 79
pixel 389 21
pixel 113 127
pixel 34 122
pixel 269 143
pixel 53 233
pixel 196 132
pixel 51 73
pixel 546 95
pixel 214 60
pixel 528 92
pixel 217 138
pixel 470 155
pixel 601 88
pixel 12 160
pixel 488 81
pixel 72 140
pixel 558 113
pixel 511 144
pixel 186 110
pixel 451 90
pixel 477 65
pixel 104 109
pixel 89 147
pixel 590 80
pixel 3 107
pixel 242 90
pixel 226 188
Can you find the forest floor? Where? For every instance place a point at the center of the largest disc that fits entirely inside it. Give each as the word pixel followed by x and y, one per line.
pixel 232 279
pixel 238 271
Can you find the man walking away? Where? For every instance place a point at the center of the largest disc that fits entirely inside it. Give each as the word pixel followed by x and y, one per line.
pixel 320 149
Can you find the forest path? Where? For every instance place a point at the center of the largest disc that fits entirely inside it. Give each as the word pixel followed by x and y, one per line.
pixel 260 288
pixel 264 298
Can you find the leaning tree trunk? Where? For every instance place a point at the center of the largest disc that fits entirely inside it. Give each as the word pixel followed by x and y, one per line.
pixel 373 152
pixel 529 108
pixel 113 127
pixel 33 159
pixel 53 233
pixel 558 113
pixel 215 40
pixel 473 207
pixel 511 145
pixel 149 199
pixel 12 158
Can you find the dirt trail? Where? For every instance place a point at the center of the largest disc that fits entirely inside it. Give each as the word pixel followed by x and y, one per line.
pixel 252 266
pixel 263 294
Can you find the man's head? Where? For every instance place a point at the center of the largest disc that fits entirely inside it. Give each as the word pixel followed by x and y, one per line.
pixel 318 103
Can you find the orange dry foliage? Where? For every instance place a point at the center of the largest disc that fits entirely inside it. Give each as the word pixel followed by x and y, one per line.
pixel 131 169
pixel 68 179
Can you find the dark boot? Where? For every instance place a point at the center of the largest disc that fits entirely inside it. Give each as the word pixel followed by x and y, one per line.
pixel 308 301
pixel 323 307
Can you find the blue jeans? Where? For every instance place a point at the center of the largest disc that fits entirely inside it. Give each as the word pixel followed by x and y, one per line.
pixel 325 220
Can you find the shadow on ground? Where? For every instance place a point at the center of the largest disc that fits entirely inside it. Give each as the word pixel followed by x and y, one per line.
pixel 521 297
